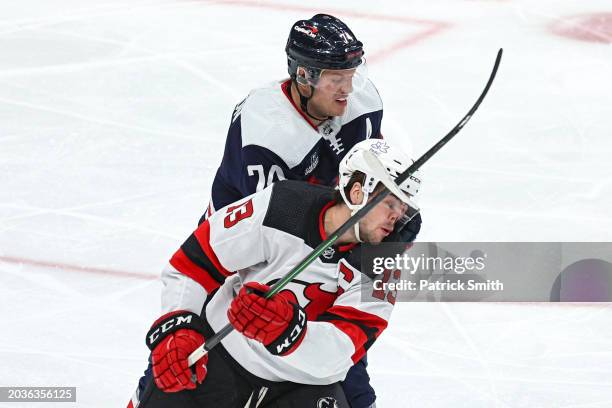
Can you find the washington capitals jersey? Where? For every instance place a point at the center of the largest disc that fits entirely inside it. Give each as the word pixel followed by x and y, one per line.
pixel 260 238
pixel 270 139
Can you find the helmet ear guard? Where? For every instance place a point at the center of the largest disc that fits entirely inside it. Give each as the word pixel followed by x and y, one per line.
pixel 308 77
pixel 301 79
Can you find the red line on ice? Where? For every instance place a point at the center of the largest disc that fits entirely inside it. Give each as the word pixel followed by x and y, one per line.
pixel 431 27
pixel 78 268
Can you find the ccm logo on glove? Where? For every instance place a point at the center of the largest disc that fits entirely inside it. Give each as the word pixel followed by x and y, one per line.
pixel 278 323
pixel 282 346
pixel 166 326
pixel 171 339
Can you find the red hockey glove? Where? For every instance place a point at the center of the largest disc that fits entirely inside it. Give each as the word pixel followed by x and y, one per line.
pixel 171 339
pixel 279 323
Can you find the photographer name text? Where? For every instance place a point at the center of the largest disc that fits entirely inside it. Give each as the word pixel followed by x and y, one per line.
pixel 448 285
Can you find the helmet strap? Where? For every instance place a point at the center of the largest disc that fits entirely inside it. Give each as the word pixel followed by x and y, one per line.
pixel 305 99
pixel 355 207
pixel 356 229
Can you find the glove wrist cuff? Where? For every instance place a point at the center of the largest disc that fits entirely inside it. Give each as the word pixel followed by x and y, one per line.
pixel 171 322
pixel 291 338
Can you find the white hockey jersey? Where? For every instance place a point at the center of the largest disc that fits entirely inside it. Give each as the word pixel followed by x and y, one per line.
pixel 270 139
pixel 260 238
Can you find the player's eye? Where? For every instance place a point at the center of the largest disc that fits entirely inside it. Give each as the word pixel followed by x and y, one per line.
pixel 395 204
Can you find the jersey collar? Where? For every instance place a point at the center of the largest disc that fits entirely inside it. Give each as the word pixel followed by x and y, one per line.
pixel 286 87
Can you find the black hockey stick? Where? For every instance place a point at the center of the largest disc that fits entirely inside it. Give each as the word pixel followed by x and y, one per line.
pixel 278 286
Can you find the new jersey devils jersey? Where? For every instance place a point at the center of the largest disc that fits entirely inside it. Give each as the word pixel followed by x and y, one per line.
pixel 260 238
pixel 269 139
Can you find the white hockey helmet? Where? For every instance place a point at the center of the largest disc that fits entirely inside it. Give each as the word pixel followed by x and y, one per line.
pixel 379 162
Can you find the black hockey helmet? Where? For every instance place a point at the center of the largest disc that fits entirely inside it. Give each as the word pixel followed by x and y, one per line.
pixel 322 42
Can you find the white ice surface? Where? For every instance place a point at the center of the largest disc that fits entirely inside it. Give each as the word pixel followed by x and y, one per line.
pixel 112 122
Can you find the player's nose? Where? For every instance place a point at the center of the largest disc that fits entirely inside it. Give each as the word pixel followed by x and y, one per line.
pixel 394 214
pixel 346 86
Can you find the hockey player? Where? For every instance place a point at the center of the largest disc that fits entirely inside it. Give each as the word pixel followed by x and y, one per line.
pixel 302 127
pixel 292 349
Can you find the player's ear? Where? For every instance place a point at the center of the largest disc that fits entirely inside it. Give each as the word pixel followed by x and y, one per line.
pixel 301 76
pixel 356 194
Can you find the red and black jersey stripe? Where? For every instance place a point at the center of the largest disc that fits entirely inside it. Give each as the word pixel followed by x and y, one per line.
pixel 197 260
pixel 363 328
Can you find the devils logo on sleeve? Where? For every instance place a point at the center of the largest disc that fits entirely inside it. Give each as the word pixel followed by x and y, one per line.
pixel 310 296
